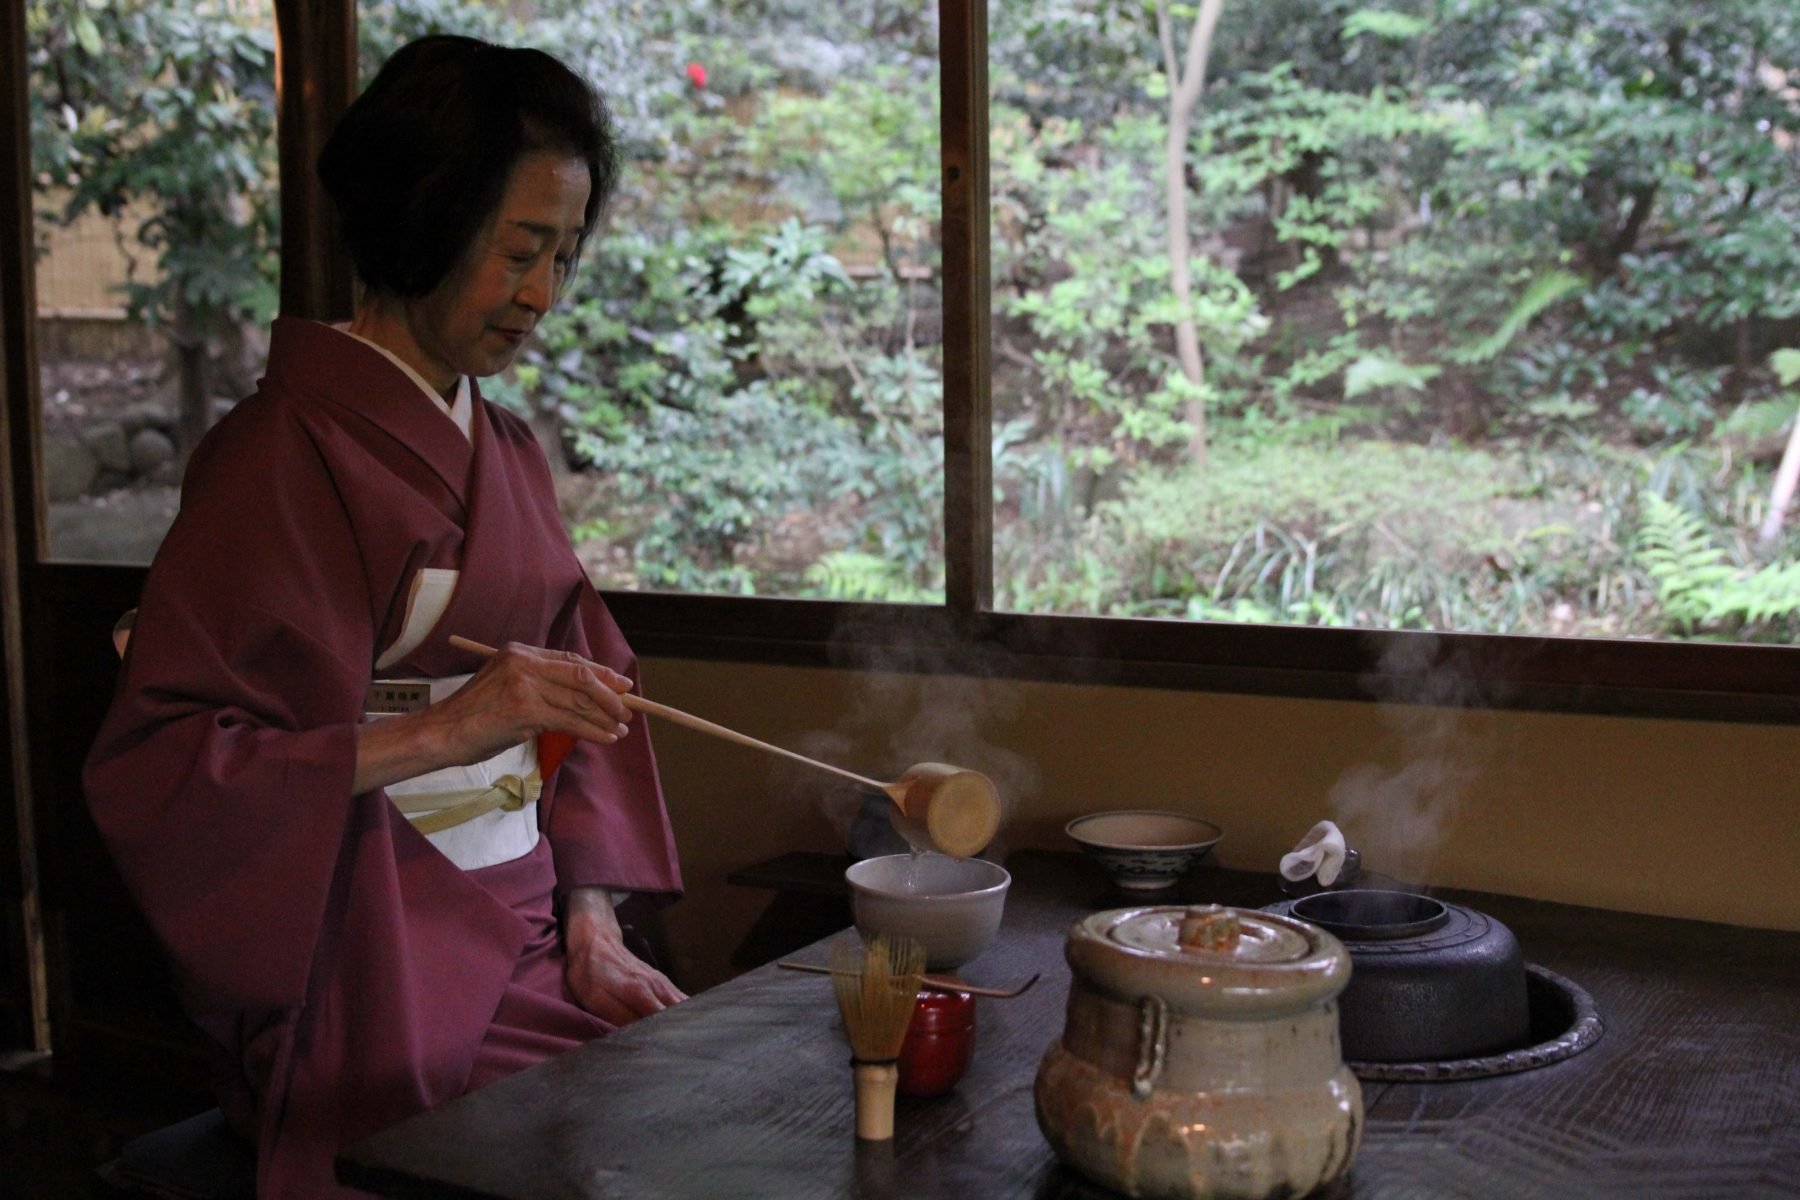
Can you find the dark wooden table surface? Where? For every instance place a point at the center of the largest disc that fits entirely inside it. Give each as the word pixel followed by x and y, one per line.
pixel 744 1090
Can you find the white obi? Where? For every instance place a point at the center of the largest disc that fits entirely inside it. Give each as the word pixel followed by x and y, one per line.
pixel 479 815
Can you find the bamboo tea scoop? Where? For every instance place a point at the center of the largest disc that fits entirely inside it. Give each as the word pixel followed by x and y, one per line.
pixel 941 807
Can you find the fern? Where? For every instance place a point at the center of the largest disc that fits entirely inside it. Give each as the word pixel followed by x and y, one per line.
pixel 1393 26
pixel 853 575
pixel 1696 583
pixel 1786 365
pixel 1379 370
pixel 1770 594
pixel 1544 291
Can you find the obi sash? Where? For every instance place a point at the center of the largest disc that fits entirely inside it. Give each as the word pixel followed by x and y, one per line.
pixel 479 815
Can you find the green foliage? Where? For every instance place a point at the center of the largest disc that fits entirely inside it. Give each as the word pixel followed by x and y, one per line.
pixel 863 150
pixel 1700 588
pixel 795 257
pixel 1392 536
pixel 1332 535
pixel 1756 420
pixel 855 575
pixel 384 25
pixel 1082 274
pixel 1689 570
pixel 694 487
pixel 1786 365
pixel 1377 371
pixel 1394 26
pixel 166 109
pixel 1543 292
pixel 1675 402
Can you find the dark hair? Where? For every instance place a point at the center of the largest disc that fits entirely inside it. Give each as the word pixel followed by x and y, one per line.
pixel 419 162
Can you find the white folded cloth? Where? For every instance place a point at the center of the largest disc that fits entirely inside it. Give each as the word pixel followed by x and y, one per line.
pixel 1320 853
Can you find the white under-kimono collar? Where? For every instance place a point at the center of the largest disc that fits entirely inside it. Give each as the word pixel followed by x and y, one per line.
pixel 460 409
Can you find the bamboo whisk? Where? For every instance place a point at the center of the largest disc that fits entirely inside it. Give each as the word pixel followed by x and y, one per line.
pixel 877 985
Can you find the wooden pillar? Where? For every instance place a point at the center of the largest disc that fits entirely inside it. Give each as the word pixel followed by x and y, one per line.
pixel 315 80
pixel 21 541
pixel 968 343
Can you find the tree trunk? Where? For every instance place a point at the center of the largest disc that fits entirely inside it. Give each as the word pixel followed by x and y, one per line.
pixel 1186 83
pixel 1782 494
pixel 547 427
pixel 1738 381
pixel 195 390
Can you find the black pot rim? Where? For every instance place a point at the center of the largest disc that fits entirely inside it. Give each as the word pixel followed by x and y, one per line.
pixel 1347 913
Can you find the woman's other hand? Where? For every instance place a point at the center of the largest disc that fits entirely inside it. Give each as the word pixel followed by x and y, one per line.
pixel 520 692
pixel 605 976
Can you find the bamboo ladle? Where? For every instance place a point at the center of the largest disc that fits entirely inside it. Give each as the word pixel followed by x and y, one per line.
pixel 941 807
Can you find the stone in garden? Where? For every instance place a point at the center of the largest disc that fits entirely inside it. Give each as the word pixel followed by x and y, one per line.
pixel 69 467
pixel 107 442
pixel 109 480
pixel 146 414
pixel 150 449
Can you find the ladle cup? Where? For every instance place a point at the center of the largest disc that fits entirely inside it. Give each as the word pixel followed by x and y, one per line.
pixel 942 807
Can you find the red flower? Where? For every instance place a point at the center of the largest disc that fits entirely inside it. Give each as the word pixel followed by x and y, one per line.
pixel 696 74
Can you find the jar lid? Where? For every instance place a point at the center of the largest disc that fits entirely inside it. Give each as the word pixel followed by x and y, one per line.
pixel 1209 958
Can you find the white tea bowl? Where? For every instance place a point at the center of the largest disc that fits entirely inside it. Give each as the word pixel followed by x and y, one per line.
pixel 950 906
pixel 1144 849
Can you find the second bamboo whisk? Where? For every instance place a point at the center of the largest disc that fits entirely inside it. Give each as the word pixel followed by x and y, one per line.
pixel 877 986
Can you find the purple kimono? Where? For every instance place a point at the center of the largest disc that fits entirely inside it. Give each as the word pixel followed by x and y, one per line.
pixel 354 971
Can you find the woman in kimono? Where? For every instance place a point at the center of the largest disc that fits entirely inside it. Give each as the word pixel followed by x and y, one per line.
pixel 380 880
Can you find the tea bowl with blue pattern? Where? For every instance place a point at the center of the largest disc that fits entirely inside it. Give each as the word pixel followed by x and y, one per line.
pixel 1144 849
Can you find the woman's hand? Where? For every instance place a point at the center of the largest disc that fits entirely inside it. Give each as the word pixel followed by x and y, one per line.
pixel 523 691
pixel 520 692
pixel 606 977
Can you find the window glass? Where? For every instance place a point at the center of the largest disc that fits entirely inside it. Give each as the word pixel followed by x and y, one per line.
pixel 1451 316
pixel 153 157
pixel 740 389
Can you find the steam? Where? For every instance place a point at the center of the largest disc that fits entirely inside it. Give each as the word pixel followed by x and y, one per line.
pixel 1397 817
pixel 916 705
pixel 838 800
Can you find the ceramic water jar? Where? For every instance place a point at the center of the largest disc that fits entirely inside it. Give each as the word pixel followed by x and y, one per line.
pixel 1200 1056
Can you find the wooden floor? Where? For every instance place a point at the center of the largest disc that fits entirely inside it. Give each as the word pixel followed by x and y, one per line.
pixel 54 1131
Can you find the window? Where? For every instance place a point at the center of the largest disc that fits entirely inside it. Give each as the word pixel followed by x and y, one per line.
pixel 741 387
pixel 1461 318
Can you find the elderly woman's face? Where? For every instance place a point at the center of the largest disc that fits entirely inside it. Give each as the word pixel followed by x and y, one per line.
pixel 475 321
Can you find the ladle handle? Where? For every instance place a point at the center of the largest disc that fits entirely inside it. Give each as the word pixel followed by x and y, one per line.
pixel 701 724
pixel 634 701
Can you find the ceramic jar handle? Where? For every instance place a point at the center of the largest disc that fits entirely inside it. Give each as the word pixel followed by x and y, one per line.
pixel 1153 1045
